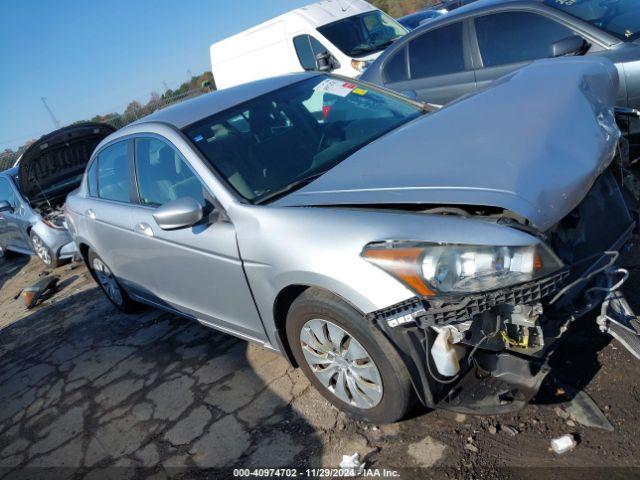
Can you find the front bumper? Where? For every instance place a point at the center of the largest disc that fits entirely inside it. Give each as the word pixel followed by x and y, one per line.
pixel 68 250
pixel 495 379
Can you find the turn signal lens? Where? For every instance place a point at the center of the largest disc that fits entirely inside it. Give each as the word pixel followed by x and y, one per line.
pixel 402 263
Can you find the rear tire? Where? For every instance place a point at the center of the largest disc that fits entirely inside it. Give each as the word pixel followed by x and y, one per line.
pixel 110 286
pixel 335 345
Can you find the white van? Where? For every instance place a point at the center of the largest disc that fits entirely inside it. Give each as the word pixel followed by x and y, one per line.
pixel 342 36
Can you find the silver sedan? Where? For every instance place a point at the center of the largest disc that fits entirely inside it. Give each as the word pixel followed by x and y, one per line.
pixel 390 250
pixel 24 230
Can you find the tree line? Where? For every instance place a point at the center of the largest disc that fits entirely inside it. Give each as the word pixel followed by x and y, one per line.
pixel 196 85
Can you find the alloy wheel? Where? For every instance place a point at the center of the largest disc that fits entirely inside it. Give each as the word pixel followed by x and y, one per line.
pixel 107 281
pixel 41 249
pixel 341 363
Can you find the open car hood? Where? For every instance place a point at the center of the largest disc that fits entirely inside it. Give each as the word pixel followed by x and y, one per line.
pixel 58 156
pixel 532 143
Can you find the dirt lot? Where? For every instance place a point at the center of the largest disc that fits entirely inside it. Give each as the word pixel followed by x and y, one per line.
pixel 92 392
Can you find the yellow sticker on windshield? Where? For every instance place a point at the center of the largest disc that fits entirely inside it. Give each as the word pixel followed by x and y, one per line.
pixel 359 91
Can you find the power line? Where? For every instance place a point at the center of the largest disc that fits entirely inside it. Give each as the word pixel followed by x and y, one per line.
pixel 55 121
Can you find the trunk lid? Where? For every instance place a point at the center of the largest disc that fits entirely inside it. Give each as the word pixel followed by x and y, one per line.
pixel 50 166
pixel 532 143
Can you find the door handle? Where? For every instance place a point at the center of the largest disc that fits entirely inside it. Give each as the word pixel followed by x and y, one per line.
pixel 90 213
pixel 145 229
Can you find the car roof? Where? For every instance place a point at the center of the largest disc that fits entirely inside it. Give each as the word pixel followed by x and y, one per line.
pixel 191 111
pixel 483 5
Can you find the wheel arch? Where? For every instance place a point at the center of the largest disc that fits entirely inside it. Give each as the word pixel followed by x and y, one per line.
pixel 282 304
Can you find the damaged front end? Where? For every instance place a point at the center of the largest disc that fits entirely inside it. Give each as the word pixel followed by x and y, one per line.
pixel 488 352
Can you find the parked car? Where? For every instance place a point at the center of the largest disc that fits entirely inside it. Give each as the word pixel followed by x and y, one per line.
pixel 414 20
pixel 472 46
pixel 32 194
pixel 449 5
pixel 331 35
pixel 375 246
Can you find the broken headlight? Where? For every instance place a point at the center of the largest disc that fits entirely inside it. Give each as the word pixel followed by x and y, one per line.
pixel 450 269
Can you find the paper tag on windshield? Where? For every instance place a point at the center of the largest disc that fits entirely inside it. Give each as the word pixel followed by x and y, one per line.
pixel 335 87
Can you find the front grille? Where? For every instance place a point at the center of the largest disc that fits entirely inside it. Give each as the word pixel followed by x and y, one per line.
pixel 466 308
pixel 473 305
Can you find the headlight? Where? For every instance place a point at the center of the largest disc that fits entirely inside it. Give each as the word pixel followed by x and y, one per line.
pixel 436 269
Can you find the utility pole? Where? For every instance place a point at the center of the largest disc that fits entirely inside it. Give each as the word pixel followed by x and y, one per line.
pixel 189 76
pixel 55 121
pixel 166 87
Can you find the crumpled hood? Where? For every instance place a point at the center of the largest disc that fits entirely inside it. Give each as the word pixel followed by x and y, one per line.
pixel 58 156
pixel 532 143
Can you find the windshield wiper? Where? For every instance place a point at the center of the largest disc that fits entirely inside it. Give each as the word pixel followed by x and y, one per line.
pixel 296 185
pixel 372 48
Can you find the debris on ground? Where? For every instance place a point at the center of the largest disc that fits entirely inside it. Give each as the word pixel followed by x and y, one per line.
pixel 563 444
pixel 471 446
pixel 72 266
pixel 583 410
pixel 352 465
pixel 509 430
pixel 45 287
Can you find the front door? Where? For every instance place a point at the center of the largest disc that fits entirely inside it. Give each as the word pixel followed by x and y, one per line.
pixel 196 270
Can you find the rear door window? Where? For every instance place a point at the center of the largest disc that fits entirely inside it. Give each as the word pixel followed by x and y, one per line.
pixel 163 175
pixel 114 179
pixel 515 37
pixel 437 52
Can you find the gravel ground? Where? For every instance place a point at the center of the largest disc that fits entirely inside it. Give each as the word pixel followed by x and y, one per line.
pixel 88 392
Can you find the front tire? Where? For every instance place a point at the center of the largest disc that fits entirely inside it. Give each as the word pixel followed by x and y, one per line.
pixel 110 286
pixel 43 251
pixel 346 359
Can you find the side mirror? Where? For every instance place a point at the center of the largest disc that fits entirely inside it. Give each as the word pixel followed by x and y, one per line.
pixel 181 213
pixel 326 62
pixel 5 206
pixel 411 94
pixel 573 45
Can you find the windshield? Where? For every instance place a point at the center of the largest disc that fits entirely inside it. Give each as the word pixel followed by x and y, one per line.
pixel 275 143
pixel 617 17
pixel 363 34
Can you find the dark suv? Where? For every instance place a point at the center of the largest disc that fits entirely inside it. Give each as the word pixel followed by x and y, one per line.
pixel 470 47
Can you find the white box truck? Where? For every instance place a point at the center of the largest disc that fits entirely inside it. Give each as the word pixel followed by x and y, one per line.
pixel 343 36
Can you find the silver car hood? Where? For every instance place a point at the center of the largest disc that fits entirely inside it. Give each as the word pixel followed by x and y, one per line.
pixel 532 143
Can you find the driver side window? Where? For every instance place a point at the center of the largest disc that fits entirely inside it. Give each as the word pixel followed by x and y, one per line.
pixel 163 175
pixel 503 41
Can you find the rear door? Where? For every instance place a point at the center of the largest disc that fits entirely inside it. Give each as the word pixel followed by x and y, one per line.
pixel 510 40
pixel 108 211
pixel 436 65
pixel 196 270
